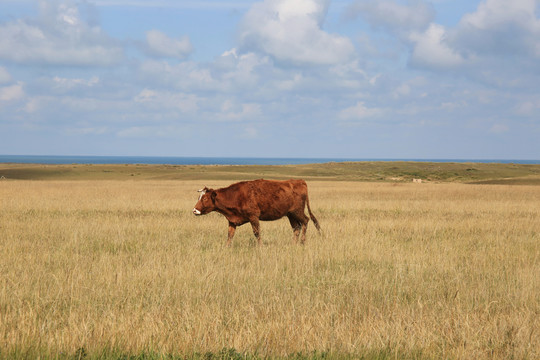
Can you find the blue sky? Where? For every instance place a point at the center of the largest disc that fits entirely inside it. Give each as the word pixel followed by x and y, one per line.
pixel 280 78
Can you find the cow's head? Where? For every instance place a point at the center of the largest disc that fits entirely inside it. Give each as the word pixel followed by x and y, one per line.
pixel 206 203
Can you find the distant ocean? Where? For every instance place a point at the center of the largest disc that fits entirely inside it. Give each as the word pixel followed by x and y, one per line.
pixel 61 159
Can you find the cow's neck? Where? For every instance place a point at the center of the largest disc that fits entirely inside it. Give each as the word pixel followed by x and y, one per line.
pixel 230 212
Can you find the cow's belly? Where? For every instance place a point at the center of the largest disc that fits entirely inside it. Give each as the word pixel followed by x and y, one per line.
pixel 276 206
pixel 273 213
pixel 271 217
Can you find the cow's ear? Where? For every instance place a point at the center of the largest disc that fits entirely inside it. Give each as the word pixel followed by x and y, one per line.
pixel 213 196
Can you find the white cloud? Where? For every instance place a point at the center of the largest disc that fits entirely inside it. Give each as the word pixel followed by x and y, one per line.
pixel 359 111
pixel 402 90
pixel 415 15
pixel 240 70
pixel 12 92
pixel 163 100
pixel 497 44
pixel 175 4
pixel 5 76
pixel 230 72
pixel 67 108
pixel 69 83
pixel 432 50
pixel 291 83
pixel 290 31
pixel 528 108
pixel 33 105
pixel 231 111
pixel 59 37
pixel 159 44
pixel 187 75
pixel 500 27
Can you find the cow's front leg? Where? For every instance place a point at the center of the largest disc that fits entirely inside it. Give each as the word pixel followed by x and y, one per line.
pixel 256 229
pixel 232 229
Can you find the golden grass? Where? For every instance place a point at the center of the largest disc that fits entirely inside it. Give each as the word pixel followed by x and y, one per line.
pixel 420 271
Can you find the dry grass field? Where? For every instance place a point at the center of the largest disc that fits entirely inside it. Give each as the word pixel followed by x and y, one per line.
pixel 99 269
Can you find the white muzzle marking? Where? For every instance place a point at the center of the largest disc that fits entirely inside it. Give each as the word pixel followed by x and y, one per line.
pixel 195 211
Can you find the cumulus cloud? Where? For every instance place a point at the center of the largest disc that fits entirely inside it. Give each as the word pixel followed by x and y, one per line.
pixel 291 31
pixel 500 27
pixel 412 23
pixel 496 44
pixel 431 49
pixel 241 70
pixel 58 36
pixel 160 45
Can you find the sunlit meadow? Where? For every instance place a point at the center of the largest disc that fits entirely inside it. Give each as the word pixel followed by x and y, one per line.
pixel 400 270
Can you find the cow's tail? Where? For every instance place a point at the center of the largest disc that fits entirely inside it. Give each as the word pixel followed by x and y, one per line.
pixel 313 218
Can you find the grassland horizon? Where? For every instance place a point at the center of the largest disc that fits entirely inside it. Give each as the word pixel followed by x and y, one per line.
pixel 372 171
pixel 109 267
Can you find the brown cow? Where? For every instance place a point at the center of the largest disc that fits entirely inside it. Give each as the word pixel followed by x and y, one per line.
pixel 251 201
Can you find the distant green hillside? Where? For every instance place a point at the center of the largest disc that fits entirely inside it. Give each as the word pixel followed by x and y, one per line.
pixel 386 171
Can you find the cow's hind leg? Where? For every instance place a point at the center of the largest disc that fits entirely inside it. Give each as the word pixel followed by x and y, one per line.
pixel 256 229
pixel 303 220
pixel 304 229
pixel 296 225
pixel 232 229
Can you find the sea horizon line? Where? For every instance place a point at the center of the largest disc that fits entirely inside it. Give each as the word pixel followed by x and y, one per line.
pixel 227 160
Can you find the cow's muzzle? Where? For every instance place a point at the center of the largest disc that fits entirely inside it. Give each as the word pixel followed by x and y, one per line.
pixel 196 212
